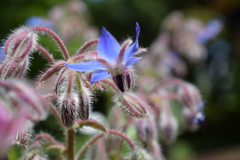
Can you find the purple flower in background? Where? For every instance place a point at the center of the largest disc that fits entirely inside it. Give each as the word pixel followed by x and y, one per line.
pixel 212 29
pixel 39 21
pixel 2 54
pixel 113 59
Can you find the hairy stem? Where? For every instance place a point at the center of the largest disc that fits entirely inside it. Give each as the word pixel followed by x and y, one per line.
pixel 97 137
pixel 166 82
pixel 55 37
pixel 46 54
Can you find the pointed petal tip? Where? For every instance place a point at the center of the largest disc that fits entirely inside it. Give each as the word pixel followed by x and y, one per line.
pixel 137 29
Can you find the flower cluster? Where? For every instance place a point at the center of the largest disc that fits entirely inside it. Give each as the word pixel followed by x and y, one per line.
pixel 76 80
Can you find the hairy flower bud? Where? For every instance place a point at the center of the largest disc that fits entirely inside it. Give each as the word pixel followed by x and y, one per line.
pixel 23 96
pixel 23 136
pixel 68 107
pixel 133 106
pixel 190 96
pixel 17 49
pixel 84 108
pixel 168 128
pixel 140 154
pixel 10 124
pixel 146 129
pixel 14 69
pixel 194 116
pixel 21 43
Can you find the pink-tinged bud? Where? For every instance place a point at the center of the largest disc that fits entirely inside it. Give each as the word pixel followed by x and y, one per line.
pixel 68 107
pixel 23 96
pixel 133 106
pixel 190 96
pixel 141 154
pixel 84 108
pixel 34 154
pixel 168 127
pixel 23 136
pixel 10 125
pixel 14 69
pixel 125 80
pixel 146 129
pixel 20 44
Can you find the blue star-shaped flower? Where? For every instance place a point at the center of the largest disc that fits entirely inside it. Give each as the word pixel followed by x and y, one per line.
pixel 113 59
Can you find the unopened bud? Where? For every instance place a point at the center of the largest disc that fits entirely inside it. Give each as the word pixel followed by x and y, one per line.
pixel 193 117
pixel 23 96
pixel 140 154
pixel 125 80
pixel 24 136
pixel 133 106
pixel 146 129
pixel 14 69
pixel 21 43
pixel 84 108
pixel 168 127
pixel 34 154
pixel 190 96
pixel 68 108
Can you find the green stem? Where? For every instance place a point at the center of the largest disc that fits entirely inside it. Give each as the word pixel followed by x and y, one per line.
pixel 70 144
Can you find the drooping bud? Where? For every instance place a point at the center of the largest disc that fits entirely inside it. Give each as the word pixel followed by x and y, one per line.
pixel 34 154
pixel 190 96
pixel 23 136
pixel 14 69
pixel 17 48
pixel 133 106
pixel 23 96
pixel 140 154
pixel 68 107
pixel 194 117
pixel 168 128
pixel 125 80
pixel 146 129
pixel 10 124
pixel 21 43
pixel 84 108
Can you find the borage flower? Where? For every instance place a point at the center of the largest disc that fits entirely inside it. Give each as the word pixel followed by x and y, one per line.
pixel 113 60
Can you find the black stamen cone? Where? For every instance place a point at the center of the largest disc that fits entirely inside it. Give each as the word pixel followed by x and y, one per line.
pixel 119 81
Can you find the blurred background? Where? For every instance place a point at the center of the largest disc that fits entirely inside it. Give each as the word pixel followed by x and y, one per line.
pixel 196 40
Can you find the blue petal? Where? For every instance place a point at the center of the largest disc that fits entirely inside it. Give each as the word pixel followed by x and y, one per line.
pixel 2 54
pixel 132 60
pixel 86 66
pixel 108 48
pixel 134 47
pixel 99 75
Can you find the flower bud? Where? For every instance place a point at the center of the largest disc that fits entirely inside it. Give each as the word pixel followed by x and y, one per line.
pixel 14 69
pixel 168 128
pixel 140 154
pixel 133 106
pixel 68 107
pixel 23 96
pixel 34 154
pixel 23 136
pixel 146 129
pixel 20 44
pixel 194 116
pixel 84 108
pixel 10 124
pixel 190 96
